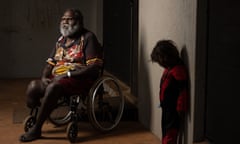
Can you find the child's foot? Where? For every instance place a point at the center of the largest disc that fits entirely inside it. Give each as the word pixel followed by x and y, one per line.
pixel 30 136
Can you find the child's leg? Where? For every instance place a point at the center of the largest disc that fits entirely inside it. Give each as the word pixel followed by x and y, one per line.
pixel 170 126
pixel 170 137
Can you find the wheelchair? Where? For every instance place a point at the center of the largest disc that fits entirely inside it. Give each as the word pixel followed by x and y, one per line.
pixel 103 105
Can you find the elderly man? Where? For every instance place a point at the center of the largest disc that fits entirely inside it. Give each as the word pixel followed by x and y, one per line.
pixel 72 67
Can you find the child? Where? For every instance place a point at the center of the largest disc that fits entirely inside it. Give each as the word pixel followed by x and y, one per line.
pixel 173 89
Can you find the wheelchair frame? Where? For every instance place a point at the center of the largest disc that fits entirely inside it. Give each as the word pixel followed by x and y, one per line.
pixel 104 106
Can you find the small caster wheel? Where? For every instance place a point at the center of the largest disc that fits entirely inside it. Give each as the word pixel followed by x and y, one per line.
pixel 72 131
pixel 29 122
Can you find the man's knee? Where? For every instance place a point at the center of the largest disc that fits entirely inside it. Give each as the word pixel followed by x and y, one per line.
pixel 35 85
pixel 34 92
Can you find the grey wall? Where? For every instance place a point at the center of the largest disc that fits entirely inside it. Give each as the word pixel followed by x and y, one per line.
pixel 164 19
pixel 29 29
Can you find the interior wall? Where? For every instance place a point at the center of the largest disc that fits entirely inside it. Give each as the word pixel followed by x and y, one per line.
pixel 29 30
pixel 160 19
pixel 223 68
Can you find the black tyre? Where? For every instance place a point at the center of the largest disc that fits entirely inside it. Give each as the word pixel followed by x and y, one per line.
pixel 61 115
pixel 105 104
pixel 72 132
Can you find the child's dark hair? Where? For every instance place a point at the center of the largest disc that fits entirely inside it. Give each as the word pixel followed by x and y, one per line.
pixel 165 48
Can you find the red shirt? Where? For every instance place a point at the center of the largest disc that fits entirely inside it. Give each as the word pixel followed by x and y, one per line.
pixel 173 88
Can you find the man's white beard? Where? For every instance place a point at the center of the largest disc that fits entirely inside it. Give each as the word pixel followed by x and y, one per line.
pixel 68 30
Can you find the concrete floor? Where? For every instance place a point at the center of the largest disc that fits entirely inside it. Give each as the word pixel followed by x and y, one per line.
pixel 12 97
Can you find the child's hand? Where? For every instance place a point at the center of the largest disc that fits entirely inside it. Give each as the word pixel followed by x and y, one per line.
pixel 181 114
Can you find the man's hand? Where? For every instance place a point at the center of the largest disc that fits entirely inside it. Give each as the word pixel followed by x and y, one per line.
pixel 46 81
pixel 59 77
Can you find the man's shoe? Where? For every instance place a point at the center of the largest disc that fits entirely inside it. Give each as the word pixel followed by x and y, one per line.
pixel 27 137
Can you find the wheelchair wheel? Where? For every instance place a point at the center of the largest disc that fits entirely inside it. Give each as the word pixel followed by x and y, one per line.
pixel 29 122
pixel 106 104
pixel 61 115
pixel 72 131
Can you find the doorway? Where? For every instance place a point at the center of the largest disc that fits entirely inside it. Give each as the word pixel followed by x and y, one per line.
pixel 120 39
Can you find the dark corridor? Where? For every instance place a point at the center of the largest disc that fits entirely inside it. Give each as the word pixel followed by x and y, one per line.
pixel 120 33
